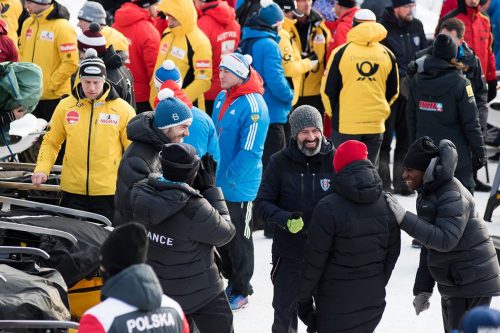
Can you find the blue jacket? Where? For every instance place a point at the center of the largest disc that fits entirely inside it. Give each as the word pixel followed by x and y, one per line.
pixel 202 135
pixel 494 13
pixel 241 119
pixel 262 45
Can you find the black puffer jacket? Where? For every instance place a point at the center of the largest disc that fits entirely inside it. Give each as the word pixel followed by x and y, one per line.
pixel 461 258
pixel 352 247
pixel 404 39
pixel 441 105
pixel 139 160
pixel 183 230
pixel 293 182
pixel 119 76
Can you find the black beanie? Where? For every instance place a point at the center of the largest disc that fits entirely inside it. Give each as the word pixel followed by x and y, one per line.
pixel 127 245
pixel 179 161
pixel 346 3
pixel 399 3
pixel 420 154
pixel 444 47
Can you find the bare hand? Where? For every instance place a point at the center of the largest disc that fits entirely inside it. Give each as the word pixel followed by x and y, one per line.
pixel 38 178
pixel 18 112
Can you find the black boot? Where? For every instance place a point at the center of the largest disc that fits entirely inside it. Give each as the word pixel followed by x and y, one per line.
pixel 384 172
pixel 480 186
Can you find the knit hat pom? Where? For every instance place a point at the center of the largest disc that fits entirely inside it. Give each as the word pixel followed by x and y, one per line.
pixel 167 71
pixel 90 53
pixel 94 27
pixel 168 65
pixel 265 3
pixel 165 93
pixel 248 58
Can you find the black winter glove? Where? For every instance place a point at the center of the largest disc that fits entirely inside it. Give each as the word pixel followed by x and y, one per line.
pixel 478 162
pixel 313 56
pixel 205 178
pixel 307 313
pixel 492 90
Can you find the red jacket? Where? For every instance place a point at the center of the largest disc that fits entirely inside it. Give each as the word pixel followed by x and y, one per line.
pixel 448 6
pixel 339 30
pixel 478 36
pixel 218 21
pixel 137 25
pixel 8 51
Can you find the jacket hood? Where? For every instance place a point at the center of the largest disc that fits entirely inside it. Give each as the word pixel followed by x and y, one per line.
pixel 220 12
pixel 367 33
pixel 136 285
pixel 154 199
pixel 141 128
pixel 112 60
pixel 358 182
pixel 254 84
pixel 109 93
pixel 255 29
pixel 389 17
pixel 441 168
pixel 55 11
pixel 293 152
pixel 436 76
pixel 183 11
pixel 129 14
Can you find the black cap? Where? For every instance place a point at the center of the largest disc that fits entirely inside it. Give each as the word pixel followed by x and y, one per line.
pixel 420 154
pixel 179 162
pixel 346 3
pixel 289 6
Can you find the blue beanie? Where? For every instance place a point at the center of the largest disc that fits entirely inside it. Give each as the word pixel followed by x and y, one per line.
pixel 481 317
pixel 270 13
pixel 237 63
pixel 170 111
pixel 167 71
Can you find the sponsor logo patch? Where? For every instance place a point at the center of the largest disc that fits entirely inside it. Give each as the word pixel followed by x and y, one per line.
pixel 68 47
pixel 470 92
pixel 319 39
pixel 203 64
pixel 108 119
pixel 178 53
pixel 47 35
pixel 164 48
pixel 430 106
pixel 72 117
pixel 29 33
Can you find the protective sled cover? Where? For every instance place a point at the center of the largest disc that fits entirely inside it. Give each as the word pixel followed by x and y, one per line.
pixel 20 85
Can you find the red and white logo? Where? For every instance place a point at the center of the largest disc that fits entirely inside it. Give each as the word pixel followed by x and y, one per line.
pixel 202 64
pixel 29 33
pixel 164 48
pixel 72 117
pixel 68 47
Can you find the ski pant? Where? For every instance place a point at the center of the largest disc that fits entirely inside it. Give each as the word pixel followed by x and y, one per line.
pixel 215 317
pixel 395 123
pixel 372 142
pixel 285 276
pixel 98 204
pixel 453 309
pixel 237 256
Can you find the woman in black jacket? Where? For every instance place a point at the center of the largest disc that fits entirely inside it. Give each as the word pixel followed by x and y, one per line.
pixel 352 246
pixel 459 254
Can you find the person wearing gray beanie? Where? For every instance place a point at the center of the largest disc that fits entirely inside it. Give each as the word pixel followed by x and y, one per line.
pixel 295 180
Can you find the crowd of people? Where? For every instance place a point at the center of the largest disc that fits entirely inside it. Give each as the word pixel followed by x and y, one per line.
pixel 192 123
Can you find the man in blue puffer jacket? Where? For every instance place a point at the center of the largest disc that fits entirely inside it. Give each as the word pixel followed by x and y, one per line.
pixel 260 39
pixel 241 120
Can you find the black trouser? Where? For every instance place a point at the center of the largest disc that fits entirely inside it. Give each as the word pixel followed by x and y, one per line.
pixel 215 317
pixel 237 256
pixel 372 142
pixel 285 277
pixel 313 101
pixel 453 309
pixel 45 108
pixel 98 204
pixel 142 107
pixel 275 141
pixel 395 123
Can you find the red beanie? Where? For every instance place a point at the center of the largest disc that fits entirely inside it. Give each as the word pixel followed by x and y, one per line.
pixel 348 152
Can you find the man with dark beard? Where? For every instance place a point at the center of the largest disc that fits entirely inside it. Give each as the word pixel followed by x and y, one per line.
pixel 296 178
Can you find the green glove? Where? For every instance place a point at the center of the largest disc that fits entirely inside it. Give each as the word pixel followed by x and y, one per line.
pixel 295 223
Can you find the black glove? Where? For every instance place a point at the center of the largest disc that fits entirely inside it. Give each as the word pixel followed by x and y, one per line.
pixel 205 178
pixel 307 313
pixel 478 162
pixel 313 56
pixel 492 90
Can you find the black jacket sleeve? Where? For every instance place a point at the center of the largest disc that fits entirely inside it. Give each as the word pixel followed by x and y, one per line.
pixel 319 242
pixel 480 91
pixel 392 83
pixel 411 115
pixel 423 280
pixel 266 203
pixel 333 84
pixel 393 250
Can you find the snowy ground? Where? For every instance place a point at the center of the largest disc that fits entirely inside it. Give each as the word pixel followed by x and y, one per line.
pixel 399 314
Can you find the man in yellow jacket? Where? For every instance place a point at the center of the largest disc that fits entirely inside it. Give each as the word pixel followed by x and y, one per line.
pixel 295 67
pixel 188 47
pixel 48 40
pixel 361 82
pixel 93 11
pixel 10 11
pixel 92 121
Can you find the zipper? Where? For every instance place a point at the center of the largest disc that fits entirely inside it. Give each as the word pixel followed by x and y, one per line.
pixel 314 191
pixel 36 37
pixel 302 186
pixel 88 144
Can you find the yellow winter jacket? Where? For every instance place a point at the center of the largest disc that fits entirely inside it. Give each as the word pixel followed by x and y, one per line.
pixel 294 66
pixel 48 40
pixel 115 38
pixel 188 47
pixel 11 16
pixel 318 40
pixel 95 135
pixel 361 82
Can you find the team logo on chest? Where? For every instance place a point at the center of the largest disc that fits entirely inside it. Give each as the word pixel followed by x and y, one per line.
pixel 325 184
pixel 72 117
pixel 108 119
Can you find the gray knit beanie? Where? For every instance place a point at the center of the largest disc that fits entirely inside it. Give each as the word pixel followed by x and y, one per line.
pixel 305 116
pixel 92 12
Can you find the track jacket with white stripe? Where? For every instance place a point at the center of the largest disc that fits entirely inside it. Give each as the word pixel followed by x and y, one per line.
pixel 241 119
